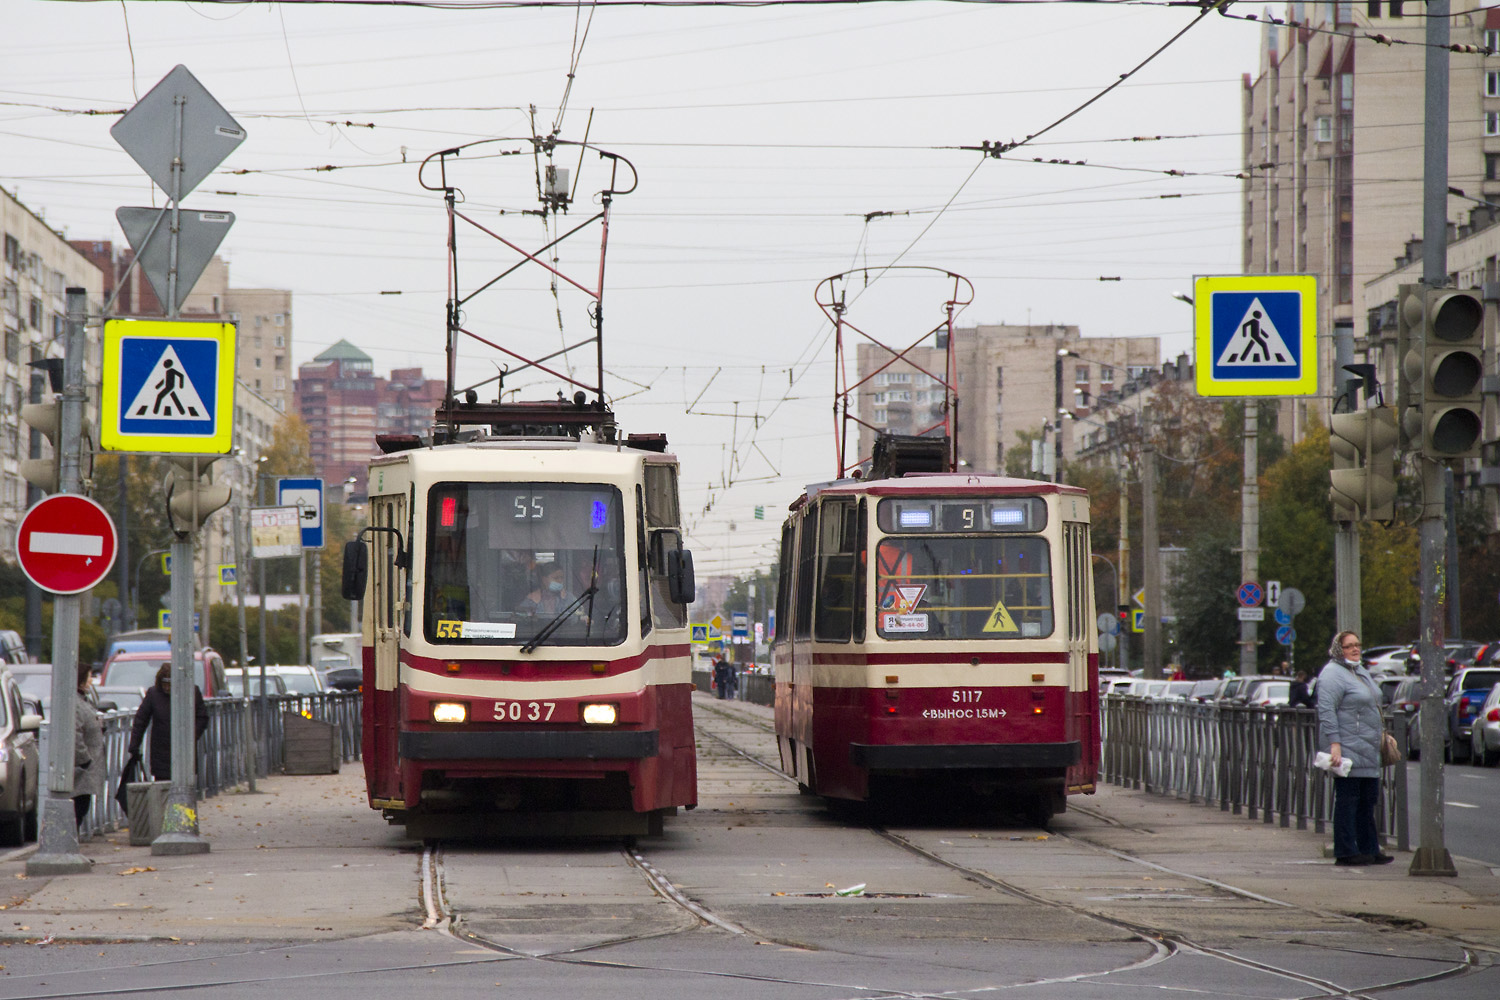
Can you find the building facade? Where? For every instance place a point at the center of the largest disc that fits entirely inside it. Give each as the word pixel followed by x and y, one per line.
pixel 1333 147
pixel 345 404
pixel 1010 379
pixel 39 267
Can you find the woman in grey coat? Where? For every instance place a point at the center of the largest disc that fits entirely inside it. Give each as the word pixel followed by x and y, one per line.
pixel 88 747
pixel 1349 725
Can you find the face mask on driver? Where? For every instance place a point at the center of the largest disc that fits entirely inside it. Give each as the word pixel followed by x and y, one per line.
pixel 556 586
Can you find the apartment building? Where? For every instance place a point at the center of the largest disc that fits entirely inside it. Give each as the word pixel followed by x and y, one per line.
pixel 39 267
pixel 1333 146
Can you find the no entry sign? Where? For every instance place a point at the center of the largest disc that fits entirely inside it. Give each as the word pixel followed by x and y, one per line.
pixel 66 544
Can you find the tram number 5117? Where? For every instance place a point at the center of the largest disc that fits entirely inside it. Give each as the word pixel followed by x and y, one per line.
pixel 965 696
pixel 524 711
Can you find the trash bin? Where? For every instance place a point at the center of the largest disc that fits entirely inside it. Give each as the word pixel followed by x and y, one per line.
pixel 310 746
pixel 145 807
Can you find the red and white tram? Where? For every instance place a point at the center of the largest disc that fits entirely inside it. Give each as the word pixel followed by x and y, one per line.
pixel 935 634
pixel 526 656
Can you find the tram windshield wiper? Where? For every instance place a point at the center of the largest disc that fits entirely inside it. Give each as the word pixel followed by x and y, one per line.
pixel 559 618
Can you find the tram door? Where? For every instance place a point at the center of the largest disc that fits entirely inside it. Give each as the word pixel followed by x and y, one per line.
pixel 389 599
pixel 1080 621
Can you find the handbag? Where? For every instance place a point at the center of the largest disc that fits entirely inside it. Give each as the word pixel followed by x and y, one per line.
pixel 130 772
pixel 1390 753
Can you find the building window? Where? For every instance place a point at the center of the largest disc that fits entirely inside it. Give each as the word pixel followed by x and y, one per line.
pixel 281 340
pixel 279 319
pixel 1492 83
pixel 12 345
pixel 34 310
pixel 1323 128
pixel 1106 374
pixel 879 398
pixel 901 396
pixel 1081 374
pixel 280 362
pixel 881 379
pixel 12 251
pixel 999 379
pixel 1492 166
pixel 900 378
pixel 1492 123
pixel 880 416
pixel 257 362
pixel 257 385
pixel 280 382
pixel 1492 40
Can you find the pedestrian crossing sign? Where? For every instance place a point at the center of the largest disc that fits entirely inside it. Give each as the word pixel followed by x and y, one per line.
pixel 168 387
pixel 1256 335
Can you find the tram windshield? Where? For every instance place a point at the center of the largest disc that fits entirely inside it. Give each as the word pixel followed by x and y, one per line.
pixel 524 564
pixel 970 587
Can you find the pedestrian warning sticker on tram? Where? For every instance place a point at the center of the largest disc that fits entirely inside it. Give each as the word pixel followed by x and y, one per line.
pixel 168 387
pixel 1256 335
pixel 1000 620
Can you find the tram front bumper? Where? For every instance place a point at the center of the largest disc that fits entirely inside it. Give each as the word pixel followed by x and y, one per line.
pixel 966 756
pixel 635 744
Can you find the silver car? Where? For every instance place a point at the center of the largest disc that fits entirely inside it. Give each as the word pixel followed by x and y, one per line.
pixel 1484 734
pixel 20 764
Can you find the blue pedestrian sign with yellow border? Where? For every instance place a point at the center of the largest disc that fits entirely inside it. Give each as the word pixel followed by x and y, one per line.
pixel 1256 335
pixel 168 387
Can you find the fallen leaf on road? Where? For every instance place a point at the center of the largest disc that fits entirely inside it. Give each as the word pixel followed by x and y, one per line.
pixel 137 871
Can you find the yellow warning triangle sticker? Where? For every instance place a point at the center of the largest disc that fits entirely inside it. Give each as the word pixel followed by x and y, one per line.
pixel 1000 620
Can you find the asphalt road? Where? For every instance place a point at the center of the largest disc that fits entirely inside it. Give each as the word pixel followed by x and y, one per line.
pixel 741 898
pixel 1471 814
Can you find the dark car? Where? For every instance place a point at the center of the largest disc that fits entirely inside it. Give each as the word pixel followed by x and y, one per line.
pixel 1406 704
pixel 1466 692
pixel 20 765
pixel 1456 653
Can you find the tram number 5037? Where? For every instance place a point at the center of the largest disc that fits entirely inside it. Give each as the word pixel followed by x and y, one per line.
pixel 524 711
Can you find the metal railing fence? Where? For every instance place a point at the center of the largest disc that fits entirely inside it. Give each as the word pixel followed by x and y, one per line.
pixel 1255 762
pixel 237 739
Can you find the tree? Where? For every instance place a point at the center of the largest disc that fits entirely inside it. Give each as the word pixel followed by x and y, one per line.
pixel 1207 629
pixel 1018 456
pixel 1296 543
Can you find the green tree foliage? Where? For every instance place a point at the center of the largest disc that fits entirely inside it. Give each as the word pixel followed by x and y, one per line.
pixel 1018 456
pixel 1296 545
pixel 1207 629
pixel 1389 598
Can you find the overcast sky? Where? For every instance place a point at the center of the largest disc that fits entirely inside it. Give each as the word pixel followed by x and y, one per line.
pixel 762 137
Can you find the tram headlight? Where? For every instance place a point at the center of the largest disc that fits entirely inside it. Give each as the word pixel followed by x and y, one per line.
pixel 600 715
pixel 450 711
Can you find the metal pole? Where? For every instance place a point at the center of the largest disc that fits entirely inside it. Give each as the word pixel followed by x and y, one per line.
pixel 239 596
pixel 180 824
pixel 302 656
pixel 1151 559
pixel 1432 857
pixel 1346 578
pixel 1124 584
pixel 317 596
pixel 33 494
pixel 1250 531
pixel 1450 520
pixel 122 556
pixel 57 850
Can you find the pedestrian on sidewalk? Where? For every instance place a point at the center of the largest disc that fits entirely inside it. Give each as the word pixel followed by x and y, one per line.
pixel 1301 696
pixel 156 712
pixel 1349 725
pixel 88 746
pixel 721 678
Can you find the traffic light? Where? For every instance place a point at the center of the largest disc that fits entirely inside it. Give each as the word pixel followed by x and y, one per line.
pixel 1364 465
pixel 45 417
pixel 1442 367
pixel 1122 611
pixel 191 499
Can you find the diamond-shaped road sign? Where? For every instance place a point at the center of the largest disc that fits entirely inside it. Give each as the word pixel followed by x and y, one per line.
pixel 198 237
pixel 149 132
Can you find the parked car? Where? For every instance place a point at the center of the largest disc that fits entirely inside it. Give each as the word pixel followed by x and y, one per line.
pixel 20 764
pixel 1386 658
pixel 138 669
pixel 1207 692
pixel 235 683
pixel 1484 734
pixel 344 679
pixel 13 647
pixel 35 681
pixel 1237 688
pixel 140 640
pixel 1404 701
pixel 298 679
pixel 1466 692
pixel 1456 652
pixel 1174 691
pixel 1265 693
pixel 335 649
pixel 119 697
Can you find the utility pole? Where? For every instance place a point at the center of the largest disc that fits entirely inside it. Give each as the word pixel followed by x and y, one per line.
pixel 57 853
pixel 1348 613
pixel 1432 857
pixel 1150 554
pixel 1124 581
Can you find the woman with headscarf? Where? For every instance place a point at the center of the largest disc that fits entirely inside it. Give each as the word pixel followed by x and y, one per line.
pixel 88 747
pixel 1349 726
pixel 156 712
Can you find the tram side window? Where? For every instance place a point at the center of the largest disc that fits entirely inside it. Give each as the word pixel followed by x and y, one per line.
pixel 784 584
pixel 806 568
pixel 861 531
pixel 835 610
pixel 643 576
pixel 661 497
pixel 971 587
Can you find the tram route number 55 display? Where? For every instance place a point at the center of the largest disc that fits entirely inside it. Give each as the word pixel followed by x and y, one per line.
pixel 524 711
pixel 525 509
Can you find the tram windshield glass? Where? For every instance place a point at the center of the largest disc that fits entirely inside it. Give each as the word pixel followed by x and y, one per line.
pixel 510 562
pixel 970 587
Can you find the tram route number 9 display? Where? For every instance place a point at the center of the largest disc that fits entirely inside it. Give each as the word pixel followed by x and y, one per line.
pixel 962 515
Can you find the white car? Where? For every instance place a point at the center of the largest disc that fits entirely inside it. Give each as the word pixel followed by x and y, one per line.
pixel 299 679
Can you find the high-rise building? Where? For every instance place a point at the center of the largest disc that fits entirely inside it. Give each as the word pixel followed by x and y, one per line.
pixel 1333 133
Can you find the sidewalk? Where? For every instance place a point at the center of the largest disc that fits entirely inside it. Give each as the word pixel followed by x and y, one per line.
pixel 305 859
